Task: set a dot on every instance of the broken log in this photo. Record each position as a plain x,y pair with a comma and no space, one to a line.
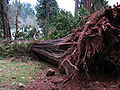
95,47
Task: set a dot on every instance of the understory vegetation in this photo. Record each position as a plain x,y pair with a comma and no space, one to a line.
64,22
14,49
18,66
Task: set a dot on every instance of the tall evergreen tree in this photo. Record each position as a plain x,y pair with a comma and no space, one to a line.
87,5
45,9
76,5
97,5
92,5
16,33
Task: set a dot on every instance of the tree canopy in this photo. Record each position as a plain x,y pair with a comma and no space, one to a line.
45,10
41,8
24,10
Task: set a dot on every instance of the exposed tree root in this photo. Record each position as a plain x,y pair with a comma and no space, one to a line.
91,47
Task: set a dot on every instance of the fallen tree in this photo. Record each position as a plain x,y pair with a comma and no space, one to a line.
95,47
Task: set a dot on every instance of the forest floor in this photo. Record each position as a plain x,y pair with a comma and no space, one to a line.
24,74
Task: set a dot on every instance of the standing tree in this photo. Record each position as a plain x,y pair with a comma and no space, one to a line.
0,23
5,22
45,9
16,34
76,5
25,12
97,5
87,5
92,5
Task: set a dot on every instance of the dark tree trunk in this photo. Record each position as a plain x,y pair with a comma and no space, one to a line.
6,27
16,34
47,17
76,6
0,9
87,5
47,11
3,21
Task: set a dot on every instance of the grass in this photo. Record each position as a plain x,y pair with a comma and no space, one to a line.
13,73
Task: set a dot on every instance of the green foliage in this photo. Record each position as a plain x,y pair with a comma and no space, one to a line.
14,49
28,33
55,34
43,14
41,8
64,22
96,5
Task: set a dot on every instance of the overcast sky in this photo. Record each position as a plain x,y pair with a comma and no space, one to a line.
67,4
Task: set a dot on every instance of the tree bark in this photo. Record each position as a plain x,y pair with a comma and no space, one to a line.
47,11
6,27
51,50
16,34
87,5
46,29
76,6
0,10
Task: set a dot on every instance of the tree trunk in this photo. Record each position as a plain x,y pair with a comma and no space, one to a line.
0,9
47,11
6,27
16,34
46,29
76,6
87,5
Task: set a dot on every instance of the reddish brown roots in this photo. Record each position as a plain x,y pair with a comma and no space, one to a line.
96,37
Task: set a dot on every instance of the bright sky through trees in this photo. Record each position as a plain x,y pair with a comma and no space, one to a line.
67,4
